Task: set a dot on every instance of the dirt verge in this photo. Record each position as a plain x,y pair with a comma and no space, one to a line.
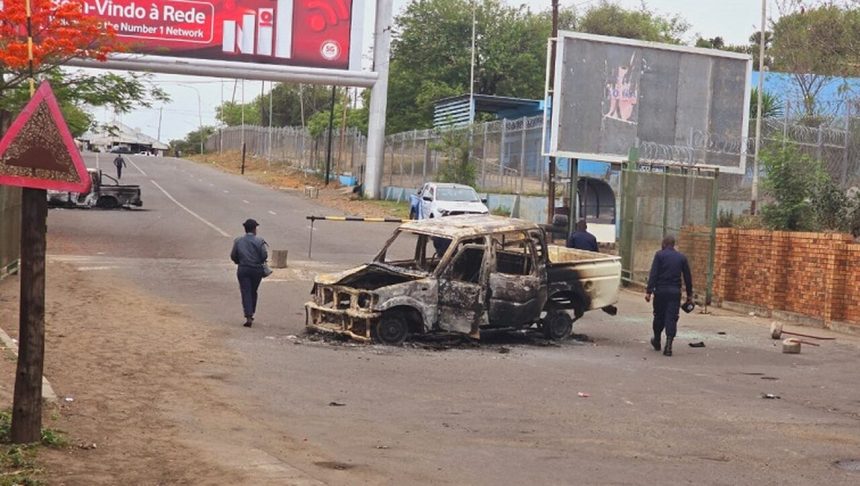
116,360
286,178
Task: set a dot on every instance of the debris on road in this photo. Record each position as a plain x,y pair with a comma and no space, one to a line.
336,404
770,396
699,344
583,395
776,331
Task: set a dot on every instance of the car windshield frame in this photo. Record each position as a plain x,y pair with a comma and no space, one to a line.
457,194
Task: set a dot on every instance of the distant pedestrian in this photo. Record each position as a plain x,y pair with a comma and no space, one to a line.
249,253
581,239
665,283
119,162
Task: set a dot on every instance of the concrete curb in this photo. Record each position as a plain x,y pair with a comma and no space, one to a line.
48,395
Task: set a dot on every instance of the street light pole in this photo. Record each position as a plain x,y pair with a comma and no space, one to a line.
758,107
199,113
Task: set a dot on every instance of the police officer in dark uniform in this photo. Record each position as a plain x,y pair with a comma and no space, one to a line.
664,283
581,239
249,253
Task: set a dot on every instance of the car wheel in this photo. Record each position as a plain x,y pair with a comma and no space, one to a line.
557,324
392,330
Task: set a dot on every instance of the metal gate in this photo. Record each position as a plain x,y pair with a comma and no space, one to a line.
661,200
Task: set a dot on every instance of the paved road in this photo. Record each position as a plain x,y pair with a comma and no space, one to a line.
506,413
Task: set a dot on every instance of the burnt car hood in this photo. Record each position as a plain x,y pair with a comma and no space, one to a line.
369,277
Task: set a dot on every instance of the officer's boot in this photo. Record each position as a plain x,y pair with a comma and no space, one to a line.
655,342
667,351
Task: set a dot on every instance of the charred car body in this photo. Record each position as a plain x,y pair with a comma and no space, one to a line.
464,274
106,193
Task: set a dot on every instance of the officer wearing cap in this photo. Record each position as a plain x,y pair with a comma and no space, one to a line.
664,282
249,253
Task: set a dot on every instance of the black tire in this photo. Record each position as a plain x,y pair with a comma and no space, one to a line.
392,329
557,325
107,202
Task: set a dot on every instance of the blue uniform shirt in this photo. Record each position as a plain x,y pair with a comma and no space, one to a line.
666,271
249,251
582,240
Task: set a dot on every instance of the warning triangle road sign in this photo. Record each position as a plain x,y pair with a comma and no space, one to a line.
39,152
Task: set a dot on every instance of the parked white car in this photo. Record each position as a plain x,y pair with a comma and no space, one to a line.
437,199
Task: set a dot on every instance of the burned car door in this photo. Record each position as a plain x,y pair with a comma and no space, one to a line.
462,289
517,280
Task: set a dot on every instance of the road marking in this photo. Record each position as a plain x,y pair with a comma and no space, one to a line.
192,213
245,201
273,213
136,167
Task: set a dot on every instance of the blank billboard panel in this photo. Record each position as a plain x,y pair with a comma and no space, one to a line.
614,94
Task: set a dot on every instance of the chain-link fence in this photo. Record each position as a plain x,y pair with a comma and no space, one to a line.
10,228
508,157
295,147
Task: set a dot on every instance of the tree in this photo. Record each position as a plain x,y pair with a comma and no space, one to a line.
431,50
431,55
234,114
816,45
293,105
192,141
771,105
609,18
456,145
61,32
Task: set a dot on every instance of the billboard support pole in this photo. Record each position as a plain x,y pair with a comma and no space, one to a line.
378,100
550,205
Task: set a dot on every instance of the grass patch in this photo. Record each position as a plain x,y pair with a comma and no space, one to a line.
394,208
18,461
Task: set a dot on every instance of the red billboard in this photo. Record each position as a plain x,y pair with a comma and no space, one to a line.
312,33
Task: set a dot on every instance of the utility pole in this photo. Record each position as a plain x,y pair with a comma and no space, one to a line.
550,206
271,94
472,72
758,107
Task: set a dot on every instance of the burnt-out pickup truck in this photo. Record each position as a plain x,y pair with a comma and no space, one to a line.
464,274
106,193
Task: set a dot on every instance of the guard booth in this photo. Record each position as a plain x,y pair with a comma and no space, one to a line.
657,200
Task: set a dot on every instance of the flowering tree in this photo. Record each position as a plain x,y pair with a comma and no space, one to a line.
61,31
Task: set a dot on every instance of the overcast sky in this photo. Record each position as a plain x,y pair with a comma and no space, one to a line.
734,20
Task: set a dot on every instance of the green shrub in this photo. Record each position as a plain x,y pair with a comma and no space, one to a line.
804,196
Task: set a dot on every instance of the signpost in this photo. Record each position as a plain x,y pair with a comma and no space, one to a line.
37,153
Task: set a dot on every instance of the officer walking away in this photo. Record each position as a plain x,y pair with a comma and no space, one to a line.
664,283
581,239
119,162
249,253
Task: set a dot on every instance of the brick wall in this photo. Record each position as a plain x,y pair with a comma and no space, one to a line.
814,274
